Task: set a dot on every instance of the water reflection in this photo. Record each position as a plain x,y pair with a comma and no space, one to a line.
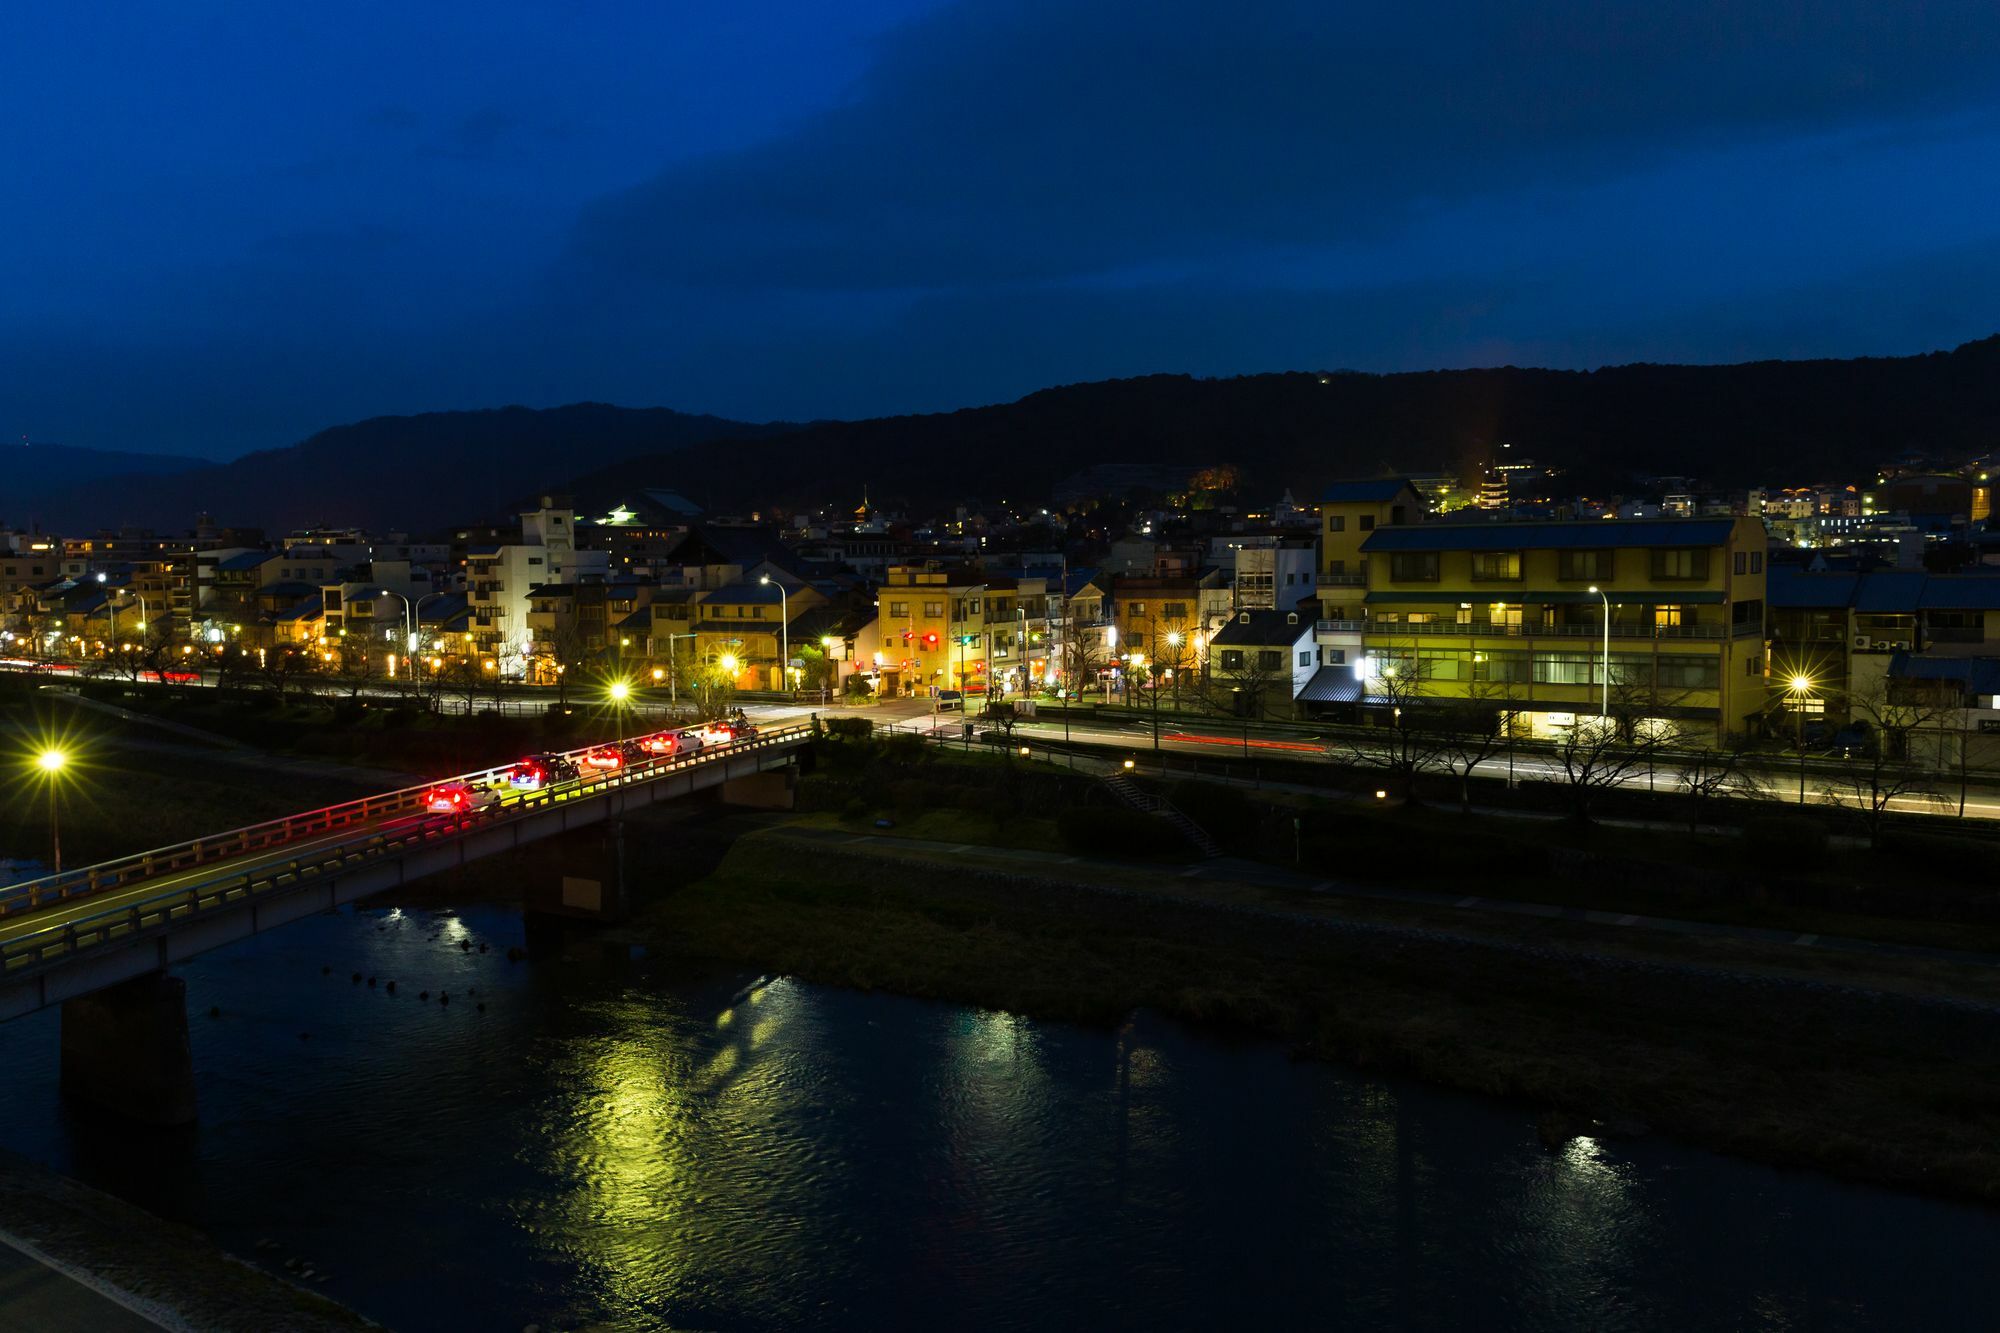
614,1145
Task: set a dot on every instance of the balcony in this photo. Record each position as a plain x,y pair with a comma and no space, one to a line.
1480,629
1340,626
1343,580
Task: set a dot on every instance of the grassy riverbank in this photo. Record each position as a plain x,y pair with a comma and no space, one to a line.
1878,1086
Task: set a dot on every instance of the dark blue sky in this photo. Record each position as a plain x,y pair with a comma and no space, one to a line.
228,225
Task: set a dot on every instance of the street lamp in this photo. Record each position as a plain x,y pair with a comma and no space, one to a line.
1605,708
1801,687
784,630
620,692
52,762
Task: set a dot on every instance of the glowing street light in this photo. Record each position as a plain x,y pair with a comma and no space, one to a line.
784,630
52,762
1801,688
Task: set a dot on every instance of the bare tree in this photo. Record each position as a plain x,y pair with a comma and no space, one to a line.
1473,729
1708,774
1886,771
1411,745
353,669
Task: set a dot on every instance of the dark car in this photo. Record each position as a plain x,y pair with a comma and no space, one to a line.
541,770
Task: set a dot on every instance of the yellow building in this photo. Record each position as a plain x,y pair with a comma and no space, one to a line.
933,630
1349,514
1516,612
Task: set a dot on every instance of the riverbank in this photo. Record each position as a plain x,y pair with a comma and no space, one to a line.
171,1274
1880,1084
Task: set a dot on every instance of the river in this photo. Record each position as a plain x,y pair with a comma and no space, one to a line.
611,1143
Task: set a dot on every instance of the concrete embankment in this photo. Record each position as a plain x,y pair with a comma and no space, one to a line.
81,1259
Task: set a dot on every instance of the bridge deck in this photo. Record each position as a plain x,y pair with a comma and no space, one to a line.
70,934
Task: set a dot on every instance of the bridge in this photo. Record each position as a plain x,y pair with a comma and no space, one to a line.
109,927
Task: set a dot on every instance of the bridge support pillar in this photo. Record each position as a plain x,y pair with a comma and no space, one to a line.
125,1050
591,879
775,790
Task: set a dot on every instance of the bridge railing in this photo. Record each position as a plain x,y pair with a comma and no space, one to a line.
37,893
230,888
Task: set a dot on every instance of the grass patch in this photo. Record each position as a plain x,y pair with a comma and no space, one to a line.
1876,1087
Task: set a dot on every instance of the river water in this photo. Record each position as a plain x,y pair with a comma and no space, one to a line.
615,1144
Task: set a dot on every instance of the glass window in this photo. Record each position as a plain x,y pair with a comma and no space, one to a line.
1489,566
1336,523
933,609
1367,522
1680,563
1584,566
1270,659
1669,617
1334,656
1232,659
1175,610
1306,658
1756,562
1136,639
1136,609
1413,566
899,610
1742,562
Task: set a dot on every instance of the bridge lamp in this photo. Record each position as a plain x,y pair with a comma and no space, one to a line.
619,691
52,762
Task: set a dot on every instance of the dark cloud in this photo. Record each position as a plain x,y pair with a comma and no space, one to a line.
1001,140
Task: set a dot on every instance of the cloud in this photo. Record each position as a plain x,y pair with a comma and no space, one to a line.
1012,141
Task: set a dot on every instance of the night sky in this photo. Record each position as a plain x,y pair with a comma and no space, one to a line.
228,225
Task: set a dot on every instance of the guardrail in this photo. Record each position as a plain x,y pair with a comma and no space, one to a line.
230,890
105,875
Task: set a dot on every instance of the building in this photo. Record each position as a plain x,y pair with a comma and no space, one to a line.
1349,513
931,624
1519,612
1262,660
498,579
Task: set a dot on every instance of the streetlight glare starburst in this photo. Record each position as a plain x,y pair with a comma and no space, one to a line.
620,691
52,761
1802,684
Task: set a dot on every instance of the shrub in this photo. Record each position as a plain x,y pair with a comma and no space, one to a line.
1784,842
849,728
1941,855
855,811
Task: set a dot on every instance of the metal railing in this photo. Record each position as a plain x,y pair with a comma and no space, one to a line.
106,875
1489,629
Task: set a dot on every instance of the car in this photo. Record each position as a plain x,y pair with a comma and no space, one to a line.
603,758
726,732
541,770
455,798
659,745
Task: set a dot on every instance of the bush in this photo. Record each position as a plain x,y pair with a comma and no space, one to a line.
1941,855
1784,842
855,811
1116,831
849,728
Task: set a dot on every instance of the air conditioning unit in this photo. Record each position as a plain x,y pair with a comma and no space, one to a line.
1884,643
1861,641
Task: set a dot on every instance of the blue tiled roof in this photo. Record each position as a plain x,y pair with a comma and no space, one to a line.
1883,591
1332,685
1980,675
1587,535
1373,491
751,593
1793,588
244,560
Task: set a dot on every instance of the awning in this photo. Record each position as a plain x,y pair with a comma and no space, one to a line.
1332,685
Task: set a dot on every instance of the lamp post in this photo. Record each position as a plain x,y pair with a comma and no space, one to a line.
52,762
784,631
1801,687
1605,708
621,694
673,667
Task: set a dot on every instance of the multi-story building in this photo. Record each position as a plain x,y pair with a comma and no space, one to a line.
1519,612
498,579
931,623
1349,513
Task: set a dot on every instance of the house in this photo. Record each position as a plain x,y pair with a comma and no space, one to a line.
1263,660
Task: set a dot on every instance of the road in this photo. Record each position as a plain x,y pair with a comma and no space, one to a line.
1776,781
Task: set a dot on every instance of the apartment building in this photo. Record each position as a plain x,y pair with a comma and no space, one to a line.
931,623
1350,512
1520,611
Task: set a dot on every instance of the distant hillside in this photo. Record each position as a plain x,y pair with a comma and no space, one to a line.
1776,421
414,473
29,473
